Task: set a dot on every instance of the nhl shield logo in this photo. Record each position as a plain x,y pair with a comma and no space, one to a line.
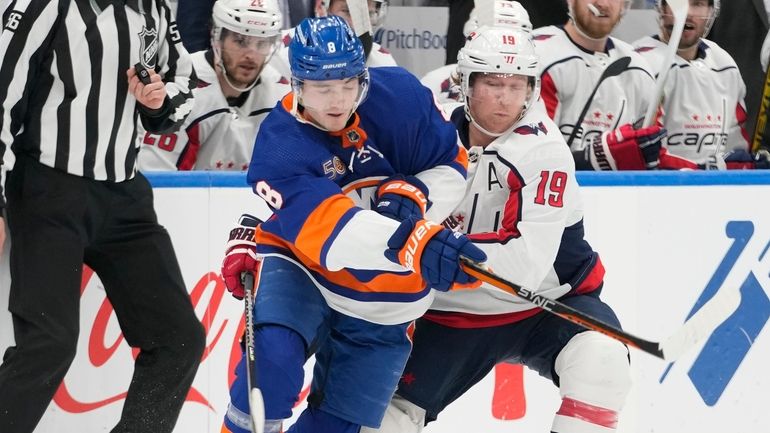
149,47
353,136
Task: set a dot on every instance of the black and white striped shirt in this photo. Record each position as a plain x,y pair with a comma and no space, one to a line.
64,96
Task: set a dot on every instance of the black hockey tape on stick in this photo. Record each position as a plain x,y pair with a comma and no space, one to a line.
142,73
761,138
695,329
256,402
613,69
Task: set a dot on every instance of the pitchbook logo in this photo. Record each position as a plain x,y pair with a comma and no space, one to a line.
747,261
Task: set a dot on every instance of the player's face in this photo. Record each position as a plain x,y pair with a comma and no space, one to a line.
330,103
496,100
610,12
694,25
244,56
341,9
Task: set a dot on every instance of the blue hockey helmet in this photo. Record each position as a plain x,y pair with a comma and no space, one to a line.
325,48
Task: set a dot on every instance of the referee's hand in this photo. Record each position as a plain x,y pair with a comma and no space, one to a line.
151,95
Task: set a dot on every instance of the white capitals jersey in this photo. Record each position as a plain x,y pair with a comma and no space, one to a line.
703,107
522,206
215,136
569,73
379,56
440,82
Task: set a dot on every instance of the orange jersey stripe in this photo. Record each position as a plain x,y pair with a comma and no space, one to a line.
462,157
386,282
360,184
320,225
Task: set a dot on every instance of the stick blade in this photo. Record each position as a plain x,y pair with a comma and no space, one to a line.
679,8
702,324
257,410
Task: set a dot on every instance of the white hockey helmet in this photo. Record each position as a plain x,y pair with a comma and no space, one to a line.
498,50
715,4
249,17
498,13
502,13
259,20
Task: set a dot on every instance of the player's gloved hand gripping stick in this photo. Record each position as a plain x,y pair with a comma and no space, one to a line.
238,269
434,253
699,326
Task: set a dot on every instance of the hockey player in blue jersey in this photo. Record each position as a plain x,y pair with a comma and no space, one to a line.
343,161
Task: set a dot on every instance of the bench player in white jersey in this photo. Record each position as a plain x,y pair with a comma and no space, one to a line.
523,209
703,106
236,90
443,81
572,59
377,56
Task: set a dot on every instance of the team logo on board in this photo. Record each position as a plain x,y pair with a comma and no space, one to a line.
720,358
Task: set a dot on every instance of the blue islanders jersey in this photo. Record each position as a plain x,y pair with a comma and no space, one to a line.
321,187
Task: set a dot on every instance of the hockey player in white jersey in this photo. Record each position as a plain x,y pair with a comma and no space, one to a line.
377,56
600,131
703,106
523,209
236,90
443,81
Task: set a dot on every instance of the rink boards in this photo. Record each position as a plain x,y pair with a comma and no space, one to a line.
668,242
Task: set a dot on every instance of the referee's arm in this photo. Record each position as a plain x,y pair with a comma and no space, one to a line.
176,68
28,27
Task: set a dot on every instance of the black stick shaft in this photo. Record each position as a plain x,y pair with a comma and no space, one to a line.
562,310
613,69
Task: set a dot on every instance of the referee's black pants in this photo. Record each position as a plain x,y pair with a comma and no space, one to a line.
57,222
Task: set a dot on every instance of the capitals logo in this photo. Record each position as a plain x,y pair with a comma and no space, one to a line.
747,261
531,129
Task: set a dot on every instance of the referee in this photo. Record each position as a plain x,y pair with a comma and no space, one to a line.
69,104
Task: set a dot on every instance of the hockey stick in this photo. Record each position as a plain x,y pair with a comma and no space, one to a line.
698,327
679,9
612,70
362,25
762,127
256,402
